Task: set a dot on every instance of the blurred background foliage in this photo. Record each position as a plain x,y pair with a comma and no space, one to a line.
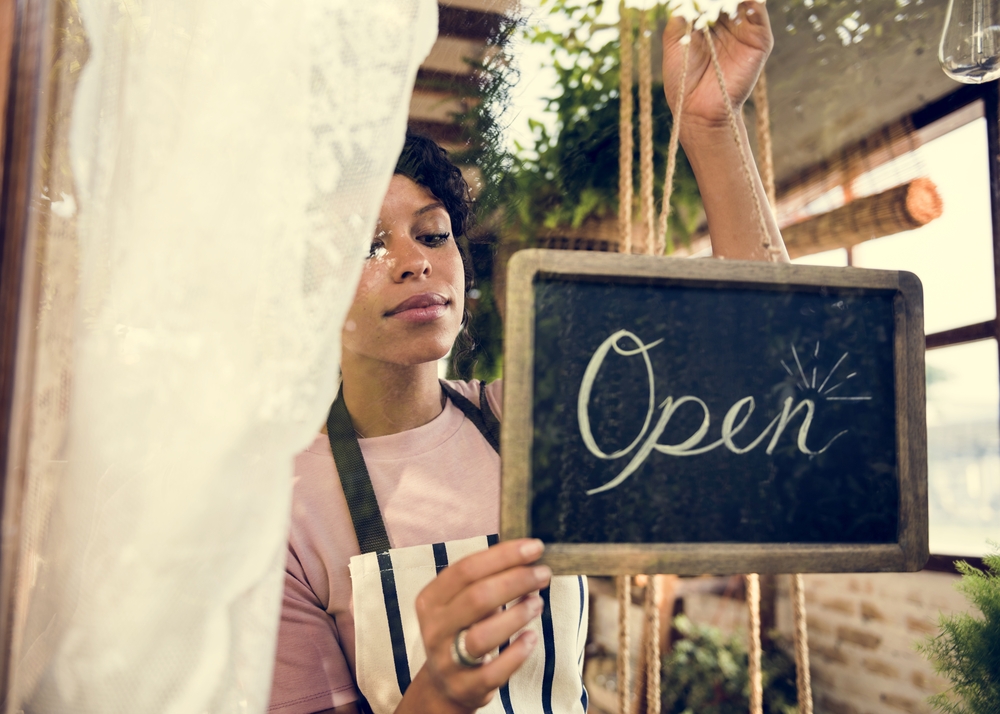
568,175
967,648
706,673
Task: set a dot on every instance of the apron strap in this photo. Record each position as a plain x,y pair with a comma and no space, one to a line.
354,477
357,483
483,417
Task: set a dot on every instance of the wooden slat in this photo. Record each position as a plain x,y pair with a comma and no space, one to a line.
497,6
468,24
946,563
450,54
435,106
962,335
431,80
726,558
443,133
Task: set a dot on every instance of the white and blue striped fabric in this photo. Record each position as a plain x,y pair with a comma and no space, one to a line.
390,650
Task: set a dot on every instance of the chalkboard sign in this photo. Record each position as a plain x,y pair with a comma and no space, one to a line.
696,416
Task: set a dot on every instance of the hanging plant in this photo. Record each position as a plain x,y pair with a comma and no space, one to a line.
569,176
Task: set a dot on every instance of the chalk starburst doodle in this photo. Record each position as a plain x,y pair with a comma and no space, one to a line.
807,382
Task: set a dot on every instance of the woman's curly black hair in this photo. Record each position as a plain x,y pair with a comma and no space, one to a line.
427,164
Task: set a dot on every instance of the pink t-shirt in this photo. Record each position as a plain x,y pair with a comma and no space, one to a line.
438,482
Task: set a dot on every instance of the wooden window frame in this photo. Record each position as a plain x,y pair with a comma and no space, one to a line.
956,106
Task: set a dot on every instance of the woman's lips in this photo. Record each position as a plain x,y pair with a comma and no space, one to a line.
425,307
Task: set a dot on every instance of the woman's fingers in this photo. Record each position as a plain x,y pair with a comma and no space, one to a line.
495,673
486,635
481,598
475,686
755,13
483,564
468,595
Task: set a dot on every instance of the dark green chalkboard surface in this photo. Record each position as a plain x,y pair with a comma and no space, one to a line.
707,416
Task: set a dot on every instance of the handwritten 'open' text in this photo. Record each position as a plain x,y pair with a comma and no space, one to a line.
732,424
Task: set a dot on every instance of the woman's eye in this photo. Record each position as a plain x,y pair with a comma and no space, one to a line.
435,238
377,248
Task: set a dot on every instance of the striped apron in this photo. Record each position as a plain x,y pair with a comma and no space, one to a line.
386,582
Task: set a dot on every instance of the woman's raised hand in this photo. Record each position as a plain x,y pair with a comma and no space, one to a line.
469,595
742,45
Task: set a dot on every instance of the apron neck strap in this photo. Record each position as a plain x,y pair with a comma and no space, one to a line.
354,477
483,417
358,490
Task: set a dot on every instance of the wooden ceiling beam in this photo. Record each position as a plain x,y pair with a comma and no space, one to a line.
468,24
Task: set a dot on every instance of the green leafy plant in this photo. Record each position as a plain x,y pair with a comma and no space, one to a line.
486,97
706,673
570,175
967,650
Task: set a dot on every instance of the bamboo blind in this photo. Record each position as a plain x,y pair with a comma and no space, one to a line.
903,208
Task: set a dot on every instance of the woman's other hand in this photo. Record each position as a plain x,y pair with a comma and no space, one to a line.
469,595
722,161
742,44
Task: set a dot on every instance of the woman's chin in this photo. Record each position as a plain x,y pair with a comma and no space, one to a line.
421,354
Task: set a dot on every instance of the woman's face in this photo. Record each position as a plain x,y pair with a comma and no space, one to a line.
409,304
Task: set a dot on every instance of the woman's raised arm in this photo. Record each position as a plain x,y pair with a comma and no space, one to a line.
742,46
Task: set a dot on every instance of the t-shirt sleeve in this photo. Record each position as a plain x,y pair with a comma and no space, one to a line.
310,671
494,395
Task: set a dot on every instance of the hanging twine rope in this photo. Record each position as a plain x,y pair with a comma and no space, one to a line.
663,241
756,681
625,132
766,155
765,152
647,210
803,680
656,242
653,645
773,252
624,585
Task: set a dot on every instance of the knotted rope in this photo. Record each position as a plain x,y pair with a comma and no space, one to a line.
664,241
647,209
773,252
801,634
803,679
625,132
653,645
765,151
656,242
624,585
753,651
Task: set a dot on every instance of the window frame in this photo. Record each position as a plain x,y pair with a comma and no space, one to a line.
956,107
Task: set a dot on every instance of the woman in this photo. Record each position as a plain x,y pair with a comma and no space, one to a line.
378,595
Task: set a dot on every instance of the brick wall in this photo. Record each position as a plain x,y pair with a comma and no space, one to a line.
862,632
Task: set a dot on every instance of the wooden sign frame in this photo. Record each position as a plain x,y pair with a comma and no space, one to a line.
909,553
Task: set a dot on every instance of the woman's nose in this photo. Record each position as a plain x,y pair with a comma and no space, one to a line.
411,261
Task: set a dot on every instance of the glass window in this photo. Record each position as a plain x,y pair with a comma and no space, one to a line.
953,255
963,434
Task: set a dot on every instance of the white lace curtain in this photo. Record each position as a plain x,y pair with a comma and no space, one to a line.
228,161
